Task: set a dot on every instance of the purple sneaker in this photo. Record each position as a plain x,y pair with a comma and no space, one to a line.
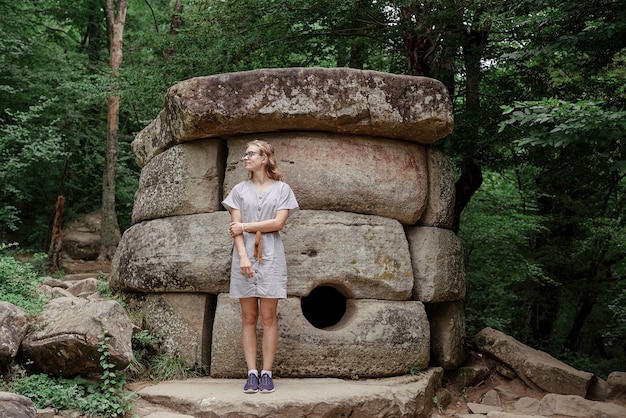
252,384
267,384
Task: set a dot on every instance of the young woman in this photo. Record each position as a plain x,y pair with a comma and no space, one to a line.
259,208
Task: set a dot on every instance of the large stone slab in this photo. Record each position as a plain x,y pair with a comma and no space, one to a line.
374,338
365,256
439,210
345,172
14,323
403,396
438,267
184,180
340,100
183,322
189,253
537,369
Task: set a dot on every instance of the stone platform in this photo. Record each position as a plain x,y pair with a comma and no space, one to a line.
403,396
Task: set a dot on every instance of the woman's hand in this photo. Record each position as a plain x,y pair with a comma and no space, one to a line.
246,267
236,228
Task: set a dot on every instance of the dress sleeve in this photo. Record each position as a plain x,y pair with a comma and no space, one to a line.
288,201
233,200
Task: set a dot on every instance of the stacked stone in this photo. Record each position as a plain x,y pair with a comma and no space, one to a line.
376,278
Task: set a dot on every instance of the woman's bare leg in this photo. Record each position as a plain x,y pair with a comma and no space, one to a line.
270,331
249,317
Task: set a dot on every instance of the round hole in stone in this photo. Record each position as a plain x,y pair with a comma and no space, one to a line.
324,306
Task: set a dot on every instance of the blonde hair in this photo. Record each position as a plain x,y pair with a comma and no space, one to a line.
271,168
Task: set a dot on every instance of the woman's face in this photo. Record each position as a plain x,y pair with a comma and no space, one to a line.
252,159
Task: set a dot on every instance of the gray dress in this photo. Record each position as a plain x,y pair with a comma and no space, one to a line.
270,277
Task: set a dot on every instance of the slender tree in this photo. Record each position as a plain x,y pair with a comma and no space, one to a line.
116,19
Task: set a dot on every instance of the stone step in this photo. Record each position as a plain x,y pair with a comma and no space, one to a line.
402,396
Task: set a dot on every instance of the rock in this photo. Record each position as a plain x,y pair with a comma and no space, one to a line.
84,288
66,338
374,338
81,237
13,327
13,405
365,256
183,321
439,211
491,398
471,374
337,100
376,176
617,383
577,406
503,414
536,368
184,180
599,390
447,334
527,405
477,408
51,282
403,396
438,267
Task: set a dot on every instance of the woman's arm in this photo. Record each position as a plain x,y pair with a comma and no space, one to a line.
244,261
268,225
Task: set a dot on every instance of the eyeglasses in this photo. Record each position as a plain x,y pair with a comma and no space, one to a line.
249,154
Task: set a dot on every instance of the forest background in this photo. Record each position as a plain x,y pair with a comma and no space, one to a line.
539,92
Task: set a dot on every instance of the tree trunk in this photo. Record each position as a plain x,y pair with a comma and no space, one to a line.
174,25
56,245
109,232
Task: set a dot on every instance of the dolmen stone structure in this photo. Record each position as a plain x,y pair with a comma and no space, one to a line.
376,278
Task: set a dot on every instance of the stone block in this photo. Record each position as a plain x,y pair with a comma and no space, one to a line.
374,338
183,180
447,334
439,210
345,172
438,266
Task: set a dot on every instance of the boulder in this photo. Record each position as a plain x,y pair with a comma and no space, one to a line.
13,405
13,327
337,100
184,180
345,172
81,237
438,266
374,338
577,406
84,287
67,336
617,383
537,369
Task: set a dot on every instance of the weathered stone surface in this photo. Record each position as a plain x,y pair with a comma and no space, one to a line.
185,179
447,334
184,322
340,100
81,237
471,374
13,405
577,406
477,408
527,405
13,327
441,191
345,172
617,383
599,390
364,256
66,338
404,396
189,253
373,339
438,269
537,369
84,288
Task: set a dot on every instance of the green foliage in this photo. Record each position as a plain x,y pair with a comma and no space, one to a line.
18,282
